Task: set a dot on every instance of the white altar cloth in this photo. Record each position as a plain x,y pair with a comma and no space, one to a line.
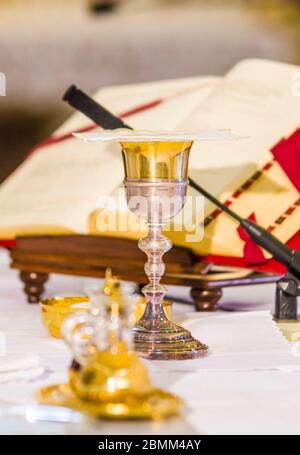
234,391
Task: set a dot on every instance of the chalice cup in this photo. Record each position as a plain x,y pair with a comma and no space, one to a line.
156,180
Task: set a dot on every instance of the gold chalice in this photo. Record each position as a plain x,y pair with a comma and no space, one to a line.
156,180
156,184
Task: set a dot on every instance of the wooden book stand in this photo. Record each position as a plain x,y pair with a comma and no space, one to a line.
86,255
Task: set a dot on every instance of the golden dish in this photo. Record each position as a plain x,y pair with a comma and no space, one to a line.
56,309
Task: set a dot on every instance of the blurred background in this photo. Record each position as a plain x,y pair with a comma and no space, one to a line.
47,45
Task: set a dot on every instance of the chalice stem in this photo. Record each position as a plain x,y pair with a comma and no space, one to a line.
155,336
155,245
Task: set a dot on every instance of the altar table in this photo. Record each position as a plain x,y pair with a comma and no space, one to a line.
254,401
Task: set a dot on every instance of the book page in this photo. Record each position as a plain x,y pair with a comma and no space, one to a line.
123,98
57,187
254,99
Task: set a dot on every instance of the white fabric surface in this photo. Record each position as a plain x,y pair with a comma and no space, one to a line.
239,333
21,375
217,401
237,341
14,369
16,364
242,403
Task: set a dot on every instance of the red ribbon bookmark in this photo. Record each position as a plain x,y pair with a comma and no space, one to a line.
253,254
287,154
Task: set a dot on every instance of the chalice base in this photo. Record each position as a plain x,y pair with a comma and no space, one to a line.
168,342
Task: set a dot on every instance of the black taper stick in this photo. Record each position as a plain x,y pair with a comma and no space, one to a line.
102,117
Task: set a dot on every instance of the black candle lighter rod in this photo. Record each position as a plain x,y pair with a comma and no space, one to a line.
85,104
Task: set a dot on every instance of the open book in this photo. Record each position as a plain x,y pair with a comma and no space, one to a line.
57,188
